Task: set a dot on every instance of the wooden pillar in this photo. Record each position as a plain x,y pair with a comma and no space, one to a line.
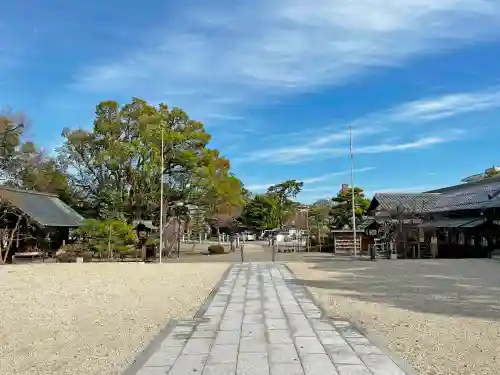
419,234
334,243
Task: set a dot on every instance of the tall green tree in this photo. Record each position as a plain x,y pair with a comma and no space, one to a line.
341,211
23,165
221,193
283,193
11,131
116,168
261,213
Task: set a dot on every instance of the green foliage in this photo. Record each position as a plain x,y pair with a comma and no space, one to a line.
282,194
319,212
221,194
492,172
118,163
115,169
103,236
216,249
261,212
23,165
341,211
73,251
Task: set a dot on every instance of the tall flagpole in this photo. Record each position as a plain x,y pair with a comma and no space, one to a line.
353,190
161,195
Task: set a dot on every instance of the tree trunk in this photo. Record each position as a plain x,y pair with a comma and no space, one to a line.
319,237
218,235
170,249
178,238
3,259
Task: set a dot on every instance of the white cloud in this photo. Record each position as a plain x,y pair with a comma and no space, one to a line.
284,46
310,180
334,174
446,106
420,143
370,192
259,187
309,151
225,117
330,143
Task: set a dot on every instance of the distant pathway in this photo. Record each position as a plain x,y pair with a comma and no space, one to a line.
262,323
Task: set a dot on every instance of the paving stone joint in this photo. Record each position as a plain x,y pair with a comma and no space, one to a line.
262,322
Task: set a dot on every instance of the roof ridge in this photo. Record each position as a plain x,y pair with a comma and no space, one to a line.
403,193
483,181
27,191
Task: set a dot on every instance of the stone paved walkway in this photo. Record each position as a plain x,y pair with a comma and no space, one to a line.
261,323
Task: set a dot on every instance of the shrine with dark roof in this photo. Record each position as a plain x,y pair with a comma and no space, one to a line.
458,221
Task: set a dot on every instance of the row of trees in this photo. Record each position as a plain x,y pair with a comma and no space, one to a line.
114,170
276,208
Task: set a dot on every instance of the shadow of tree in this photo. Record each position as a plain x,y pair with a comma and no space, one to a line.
467,288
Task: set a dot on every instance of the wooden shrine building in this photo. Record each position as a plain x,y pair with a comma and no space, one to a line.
453,222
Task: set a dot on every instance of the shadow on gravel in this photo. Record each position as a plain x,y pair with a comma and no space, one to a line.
467,288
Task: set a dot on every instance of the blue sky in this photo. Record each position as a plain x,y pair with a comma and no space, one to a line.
277,82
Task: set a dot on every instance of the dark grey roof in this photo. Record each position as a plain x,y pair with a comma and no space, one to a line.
475,223
365,223
489,181
403,202
470,197
346,230
147,223
45,209
462,222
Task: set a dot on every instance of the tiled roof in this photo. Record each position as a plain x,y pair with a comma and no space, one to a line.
147,223
490,181
46,209
404,202
470,197
365,223
462,222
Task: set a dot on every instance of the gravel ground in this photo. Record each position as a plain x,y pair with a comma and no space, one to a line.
441,316
90,319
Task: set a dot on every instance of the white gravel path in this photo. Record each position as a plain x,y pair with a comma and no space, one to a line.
442,317
91,319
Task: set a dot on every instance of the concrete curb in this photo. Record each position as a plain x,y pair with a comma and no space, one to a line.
374,337
155,343
206,304
150,349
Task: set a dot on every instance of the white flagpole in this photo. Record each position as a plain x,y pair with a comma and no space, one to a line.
353,190
161,195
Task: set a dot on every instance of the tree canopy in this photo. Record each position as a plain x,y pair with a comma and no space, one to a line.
114,169
113,172
282,193
341,211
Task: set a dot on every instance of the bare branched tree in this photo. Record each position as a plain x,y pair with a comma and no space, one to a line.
11,221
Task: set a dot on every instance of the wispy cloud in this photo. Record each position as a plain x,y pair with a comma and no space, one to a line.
327,176
310,151
287,46
370,192
451,135
446,106
310,180
225,117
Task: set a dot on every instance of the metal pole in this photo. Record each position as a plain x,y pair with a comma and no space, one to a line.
353,190
178,237
308,237
161,196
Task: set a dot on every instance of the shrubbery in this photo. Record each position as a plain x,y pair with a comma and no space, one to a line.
216,249
107,238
